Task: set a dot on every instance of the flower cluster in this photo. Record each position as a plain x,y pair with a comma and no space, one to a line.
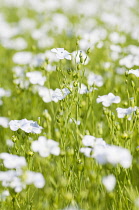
12,161
49,95
17,178
105,153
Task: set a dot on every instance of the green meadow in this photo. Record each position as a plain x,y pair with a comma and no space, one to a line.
69,105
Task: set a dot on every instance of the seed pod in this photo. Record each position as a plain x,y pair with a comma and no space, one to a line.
14,138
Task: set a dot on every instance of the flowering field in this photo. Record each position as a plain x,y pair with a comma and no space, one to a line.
69,97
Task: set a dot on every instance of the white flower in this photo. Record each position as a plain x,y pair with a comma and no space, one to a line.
50,68
21,82
135,72
49,95
34,178
18,179
105,153
45,94
83,89
38,60
108,154
136,202
130,60
22,57
92,141
109,182
31,127
94,79
11,179
120,70
45,147
123,112
51,56
59,94
36,77
15,124
28,126
4,122
4,194
9,143
117,38
107,100
17,43
61,53
86,151
45,42
12,161
18,71
4,92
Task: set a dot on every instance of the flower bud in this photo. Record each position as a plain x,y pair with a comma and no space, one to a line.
57,68
30,153
75,76
126,73
132,102
124,136
75,84
57,133
137,111
125,103
132,84
58,119
112,117
77,42
109,113
70,151
126,81
33,47
81,57
68,196
14,138
105,111
117,127
69,71
88,51
78,66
